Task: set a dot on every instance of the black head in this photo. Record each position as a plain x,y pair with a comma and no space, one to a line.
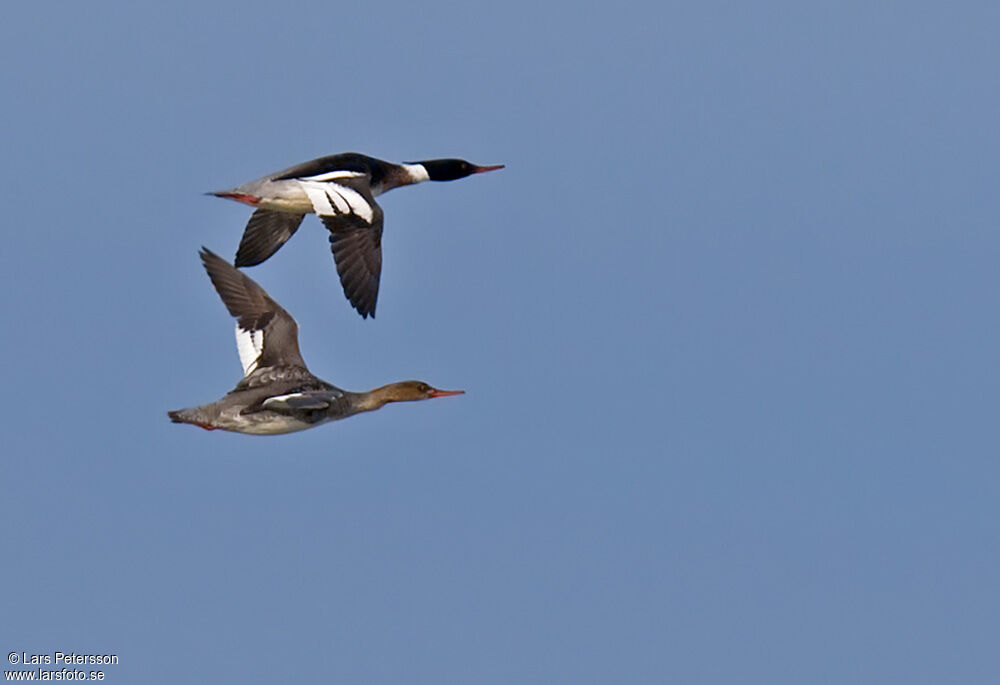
452,169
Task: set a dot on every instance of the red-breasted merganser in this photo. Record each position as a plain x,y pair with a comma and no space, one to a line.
277,393
341,190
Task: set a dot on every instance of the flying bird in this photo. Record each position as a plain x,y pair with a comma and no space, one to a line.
341,189
278,394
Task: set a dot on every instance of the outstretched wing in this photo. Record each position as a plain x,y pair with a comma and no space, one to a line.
344,203
358,255
266,335
266,231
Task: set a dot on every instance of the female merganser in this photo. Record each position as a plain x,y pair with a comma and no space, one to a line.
277,393
341,190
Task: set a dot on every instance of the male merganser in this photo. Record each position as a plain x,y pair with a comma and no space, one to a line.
277,393
341,190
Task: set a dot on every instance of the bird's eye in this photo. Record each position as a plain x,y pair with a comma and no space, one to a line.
423,387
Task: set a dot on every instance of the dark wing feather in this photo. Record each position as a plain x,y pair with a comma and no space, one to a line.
266,231
356,240
255,311
357,250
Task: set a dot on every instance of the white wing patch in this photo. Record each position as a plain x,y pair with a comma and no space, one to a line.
332,199
249,344
295,400
330,175
317,196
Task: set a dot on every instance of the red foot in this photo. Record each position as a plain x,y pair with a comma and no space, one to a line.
205,426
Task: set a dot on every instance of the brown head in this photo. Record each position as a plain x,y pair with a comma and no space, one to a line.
407,391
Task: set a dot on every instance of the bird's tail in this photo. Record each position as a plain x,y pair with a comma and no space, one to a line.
245,198
189,416
179,416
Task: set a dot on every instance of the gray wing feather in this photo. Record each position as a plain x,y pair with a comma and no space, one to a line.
255,311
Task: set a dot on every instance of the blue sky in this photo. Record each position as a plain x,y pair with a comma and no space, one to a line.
727,325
